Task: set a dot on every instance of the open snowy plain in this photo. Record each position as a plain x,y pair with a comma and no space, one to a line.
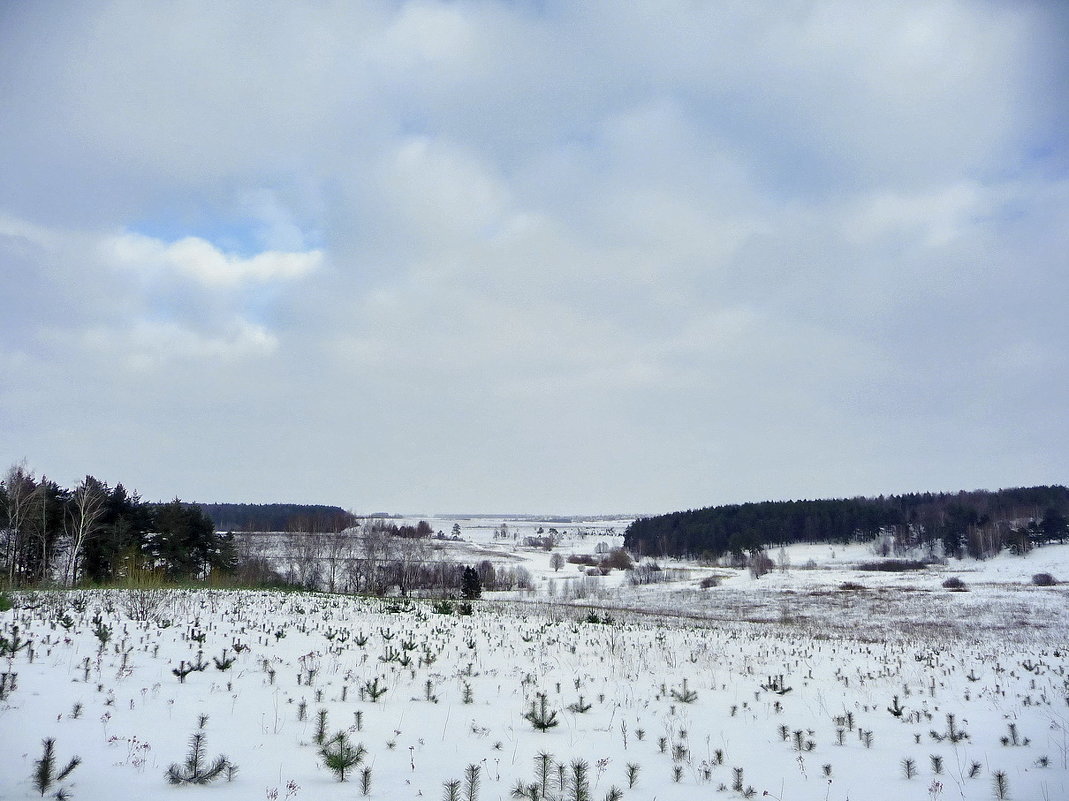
787,686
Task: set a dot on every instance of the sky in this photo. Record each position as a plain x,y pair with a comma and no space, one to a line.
539,257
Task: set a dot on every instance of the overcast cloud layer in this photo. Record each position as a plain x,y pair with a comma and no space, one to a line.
535,256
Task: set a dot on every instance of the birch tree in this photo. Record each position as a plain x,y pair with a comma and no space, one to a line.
19,486
85,512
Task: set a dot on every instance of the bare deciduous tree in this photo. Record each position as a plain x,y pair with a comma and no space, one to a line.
82,520
19,486
302,553
336,551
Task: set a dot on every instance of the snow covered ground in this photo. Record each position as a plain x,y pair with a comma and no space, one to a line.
786,685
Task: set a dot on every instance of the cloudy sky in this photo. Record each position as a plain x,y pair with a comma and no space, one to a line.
535,256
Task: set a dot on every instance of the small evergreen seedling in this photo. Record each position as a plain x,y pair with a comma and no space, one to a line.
341,756
686,695
373,690
471,783
44,773
578,781
223,662
528,791
8,684
1013,738
321,727
896,708
365,781
1001,785
736,779
101,631
543,768
11,647
909,768
195,769
632,774
579,707
540,716
451,790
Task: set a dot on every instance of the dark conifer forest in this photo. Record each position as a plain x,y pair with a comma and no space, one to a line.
276,516
979,523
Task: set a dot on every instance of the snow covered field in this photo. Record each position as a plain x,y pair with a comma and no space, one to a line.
786,685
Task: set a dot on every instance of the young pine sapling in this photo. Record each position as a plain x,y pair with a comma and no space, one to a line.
44,771
340,755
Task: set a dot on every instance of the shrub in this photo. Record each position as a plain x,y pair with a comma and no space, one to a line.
582,559
709,581
618,559
851,585
955,584
760,564
1044,580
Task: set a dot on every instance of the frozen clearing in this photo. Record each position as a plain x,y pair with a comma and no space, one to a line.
785,687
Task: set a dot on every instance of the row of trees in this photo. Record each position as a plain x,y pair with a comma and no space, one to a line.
374,558
276,516
979,523
98,533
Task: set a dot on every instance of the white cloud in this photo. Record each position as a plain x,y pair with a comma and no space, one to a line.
203,262
683,235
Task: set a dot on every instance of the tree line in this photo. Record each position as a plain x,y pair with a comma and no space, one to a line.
276,516
99,534
979,523
96,533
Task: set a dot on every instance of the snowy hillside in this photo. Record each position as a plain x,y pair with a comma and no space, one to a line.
897,688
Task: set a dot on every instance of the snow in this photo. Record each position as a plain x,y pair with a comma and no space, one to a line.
992,656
